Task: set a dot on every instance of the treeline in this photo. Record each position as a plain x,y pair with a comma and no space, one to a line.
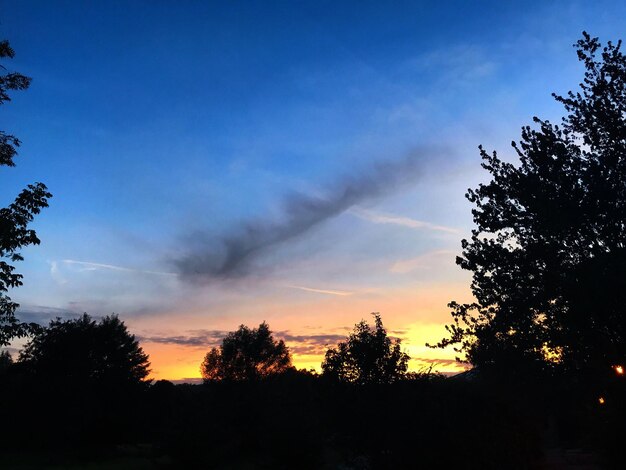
79,393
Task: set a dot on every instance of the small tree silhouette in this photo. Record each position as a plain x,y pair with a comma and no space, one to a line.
368,356
246,354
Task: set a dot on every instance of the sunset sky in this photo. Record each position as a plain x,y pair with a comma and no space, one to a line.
303,163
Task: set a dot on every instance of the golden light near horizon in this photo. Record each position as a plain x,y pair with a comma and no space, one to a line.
416,316
182,362
601,400
619,370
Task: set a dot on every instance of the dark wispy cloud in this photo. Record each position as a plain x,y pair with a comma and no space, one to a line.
298,344
42,314
399,333
310,344
194,338
318,343
317,339
233,255
188,380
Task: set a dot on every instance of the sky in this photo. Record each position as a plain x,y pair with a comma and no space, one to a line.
302,163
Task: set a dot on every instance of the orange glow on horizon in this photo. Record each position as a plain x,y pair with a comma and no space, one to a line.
619,370
415,314
176,362
184,367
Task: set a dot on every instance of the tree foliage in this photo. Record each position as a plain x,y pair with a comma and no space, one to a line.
367,356
6,361
84,351
548,254
14,219
246,354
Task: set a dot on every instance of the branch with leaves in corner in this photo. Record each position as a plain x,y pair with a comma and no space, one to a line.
15,233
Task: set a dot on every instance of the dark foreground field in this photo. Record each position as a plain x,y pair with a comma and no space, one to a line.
298,420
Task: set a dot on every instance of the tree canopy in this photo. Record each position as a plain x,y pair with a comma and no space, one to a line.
548,254
14,219
246,354
86,351
367,356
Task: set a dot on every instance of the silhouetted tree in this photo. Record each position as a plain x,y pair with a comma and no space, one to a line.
14,219
6,361
246,354
92,376
367,356
84,351
548,254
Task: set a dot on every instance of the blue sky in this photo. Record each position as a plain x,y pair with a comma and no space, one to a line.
170,131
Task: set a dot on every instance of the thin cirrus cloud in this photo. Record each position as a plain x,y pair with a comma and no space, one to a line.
385,218
426,261
341,293
458,66
55,273
91,266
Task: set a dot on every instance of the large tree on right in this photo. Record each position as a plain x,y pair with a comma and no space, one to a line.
548,253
